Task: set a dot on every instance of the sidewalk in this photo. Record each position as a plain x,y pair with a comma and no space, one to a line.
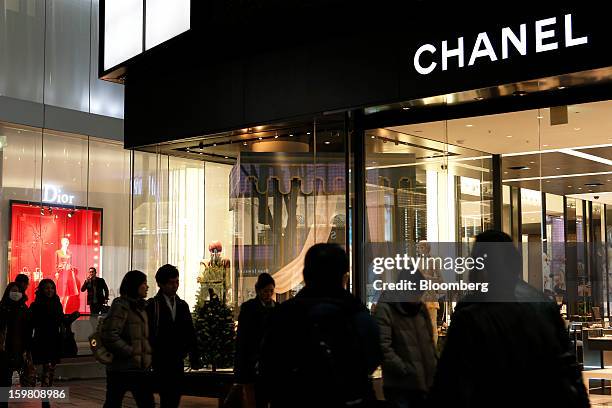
90,394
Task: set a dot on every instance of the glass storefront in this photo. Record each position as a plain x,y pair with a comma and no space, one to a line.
264,194
65,207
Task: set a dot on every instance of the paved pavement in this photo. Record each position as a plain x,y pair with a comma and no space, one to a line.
90,394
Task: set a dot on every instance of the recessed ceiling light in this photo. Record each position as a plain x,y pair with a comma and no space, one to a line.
260,138
372,137
245,143
509,136
291,135
540,117
214,144
545,145
519,93
532,162
548,181
478,98
579,188
327,142
469,125
577,129
226,157
307,133
201,153
561,87
590,191
406,108
276,137
505,172
519,168
569,186
557,168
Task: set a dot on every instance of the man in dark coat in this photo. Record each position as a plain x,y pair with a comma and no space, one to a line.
507,347
172,336
97,291
321,346
252,322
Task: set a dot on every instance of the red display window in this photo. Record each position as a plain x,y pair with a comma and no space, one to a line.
59,243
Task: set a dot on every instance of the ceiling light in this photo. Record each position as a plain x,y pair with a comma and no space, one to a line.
259,138
307,133
372,137
509,136
540,117
569,186
478,98
579,188
214,144
519,93
201,153
406,108
593,184
226,157
548,181
532,162
557,168
577,129
327,142
245,143
291,135
545,145
276,137
519,168
469,125
587,156
561,87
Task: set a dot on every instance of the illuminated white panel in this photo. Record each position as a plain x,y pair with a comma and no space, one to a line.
165,20
123,27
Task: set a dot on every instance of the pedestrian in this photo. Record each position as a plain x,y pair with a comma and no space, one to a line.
23,282
407,344
125,333
172,337
252,321
508,346
47,321
15,334
321,346
97,291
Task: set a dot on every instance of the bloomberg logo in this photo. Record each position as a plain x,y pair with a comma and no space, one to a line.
427,58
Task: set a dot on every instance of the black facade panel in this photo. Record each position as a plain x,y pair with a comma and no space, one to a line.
255,62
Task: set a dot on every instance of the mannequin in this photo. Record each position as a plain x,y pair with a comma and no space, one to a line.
214,273
65,279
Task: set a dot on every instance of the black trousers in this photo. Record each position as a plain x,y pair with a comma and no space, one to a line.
169,381
95,308
6,377
139,384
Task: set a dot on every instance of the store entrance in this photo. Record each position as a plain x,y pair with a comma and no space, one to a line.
554,168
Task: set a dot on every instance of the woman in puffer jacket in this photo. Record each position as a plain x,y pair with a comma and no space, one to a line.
125,333
407,343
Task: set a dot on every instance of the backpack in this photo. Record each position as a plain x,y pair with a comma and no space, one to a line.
99,351
331,358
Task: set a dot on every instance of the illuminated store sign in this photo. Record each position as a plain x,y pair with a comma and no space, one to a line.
133,26
54,194
546,35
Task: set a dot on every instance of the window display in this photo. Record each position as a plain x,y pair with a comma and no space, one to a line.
58,243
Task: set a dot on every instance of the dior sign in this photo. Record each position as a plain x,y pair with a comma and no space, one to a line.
486,46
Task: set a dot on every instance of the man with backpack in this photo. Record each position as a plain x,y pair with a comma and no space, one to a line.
321,346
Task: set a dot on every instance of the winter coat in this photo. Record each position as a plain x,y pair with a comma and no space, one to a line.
517,350
251,326
47,320
407,343
125,333
15,332
171,340
97,287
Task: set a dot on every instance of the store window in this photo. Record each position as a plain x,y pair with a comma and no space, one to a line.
260,197
65,207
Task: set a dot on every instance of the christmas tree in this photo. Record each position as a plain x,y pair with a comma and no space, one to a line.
213,319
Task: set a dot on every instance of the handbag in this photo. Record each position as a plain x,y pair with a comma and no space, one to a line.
69,345
100,352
